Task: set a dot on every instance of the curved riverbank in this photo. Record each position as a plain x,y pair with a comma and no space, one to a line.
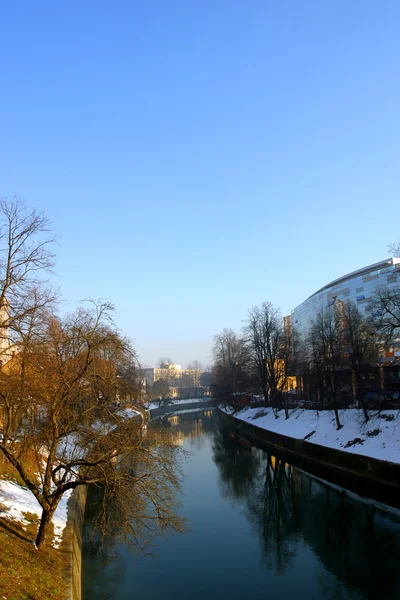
366,476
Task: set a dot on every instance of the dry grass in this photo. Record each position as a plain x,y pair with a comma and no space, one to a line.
25,572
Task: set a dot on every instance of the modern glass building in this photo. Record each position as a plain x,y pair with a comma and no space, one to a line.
358,287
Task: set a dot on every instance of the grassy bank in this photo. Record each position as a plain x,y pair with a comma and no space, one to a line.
25,572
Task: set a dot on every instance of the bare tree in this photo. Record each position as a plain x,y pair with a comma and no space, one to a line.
270,350
195,369
58,401
164,362
360,346
385,308
394,249
326,350
25,255
258,335
231,368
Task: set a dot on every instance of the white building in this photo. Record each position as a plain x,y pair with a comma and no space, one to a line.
358,287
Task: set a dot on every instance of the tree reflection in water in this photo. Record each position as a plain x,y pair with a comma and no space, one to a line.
237,466
355,541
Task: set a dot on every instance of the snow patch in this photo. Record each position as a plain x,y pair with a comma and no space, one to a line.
156,403
16,500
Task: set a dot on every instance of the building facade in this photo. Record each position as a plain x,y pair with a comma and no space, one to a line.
358,287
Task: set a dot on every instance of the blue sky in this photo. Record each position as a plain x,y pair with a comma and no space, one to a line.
200,157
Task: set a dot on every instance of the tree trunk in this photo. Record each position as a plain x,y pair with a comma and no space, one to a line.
366,416
43,528
265,396
355,386
338,425
357,395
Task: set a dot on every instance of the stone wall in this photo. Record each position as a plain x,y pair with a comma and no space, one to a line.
72,543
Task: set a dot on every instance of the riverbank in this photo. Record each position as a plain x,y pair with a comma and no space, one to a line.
181,405
363,457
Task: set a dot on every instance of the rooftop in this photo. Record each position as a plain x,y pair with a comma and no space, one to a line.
389,262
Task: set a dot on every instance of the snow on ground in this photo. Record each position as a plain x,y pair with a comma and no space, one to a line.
16,500
379,438
127,413
156,403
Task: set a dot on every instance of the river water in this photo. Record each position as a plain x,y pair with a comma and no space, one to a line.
257,529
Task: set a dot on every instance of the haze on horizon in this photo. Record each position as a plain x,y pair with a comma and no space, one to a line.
199,158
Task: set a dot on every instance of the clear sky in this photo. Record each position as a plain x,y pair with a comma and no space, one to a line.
198,157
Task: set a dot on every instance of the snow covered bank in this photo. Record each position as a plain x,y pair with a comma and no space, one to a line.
156,403
16,500
379,438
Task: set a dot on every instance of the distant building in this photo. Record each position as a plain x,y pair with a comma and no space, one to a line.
181,382
169,373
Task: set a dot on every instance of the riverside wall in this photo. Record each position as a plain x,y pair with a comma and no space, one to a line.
368,477
72,543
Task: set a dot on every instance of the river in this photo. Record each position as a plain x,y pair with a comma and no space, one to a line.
257,528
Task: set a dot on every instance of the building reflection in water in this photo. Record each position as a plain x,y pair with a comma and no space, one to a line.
355,541
195,426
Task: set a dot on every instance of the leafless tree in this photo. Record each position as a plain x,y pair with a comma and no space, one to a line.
164,362
385,308
270,349
394,249
360,347
62,427
195,369
25,255
231,368
326,350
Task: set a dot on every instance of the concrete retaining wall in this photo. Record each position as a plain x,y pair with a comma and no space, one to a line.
72,543
368,477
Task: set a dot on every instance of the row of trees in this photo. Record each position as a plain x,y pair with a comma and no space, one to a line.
63,382
258,360
269,351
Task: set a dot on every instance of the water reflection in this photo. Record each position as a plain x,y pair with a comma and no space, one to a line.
355,541
238,466
257,529
195,426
